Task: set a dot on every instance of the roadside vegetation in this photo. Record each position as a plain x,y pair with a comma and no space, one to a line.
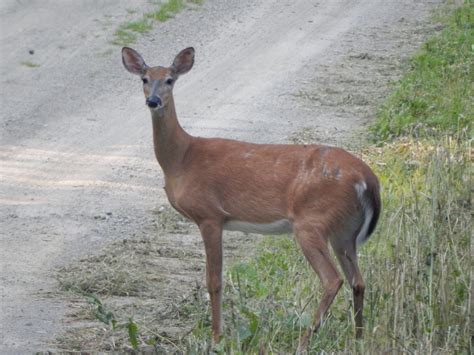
435,96
29,64
417,265
128,32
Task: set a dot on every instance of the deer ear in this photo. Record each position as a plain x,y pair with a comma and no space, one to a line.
184,61
133,61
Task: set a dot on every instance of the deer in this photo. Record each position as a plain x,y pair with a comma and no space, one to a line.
324,195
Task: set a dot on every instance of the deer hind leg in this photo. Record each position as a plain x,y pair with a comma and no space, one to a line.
212,236
313,243
345,251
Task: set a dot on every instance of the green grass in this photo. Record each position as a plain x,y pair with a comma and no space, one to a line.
417,264
141,26
127,33
124,37
167,10
29,64
436,95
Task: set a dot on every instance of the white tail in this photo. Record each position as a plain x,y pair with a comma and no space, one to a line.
317,192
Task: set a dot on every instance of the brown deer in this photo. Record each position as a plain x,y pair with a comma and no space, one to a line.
319,193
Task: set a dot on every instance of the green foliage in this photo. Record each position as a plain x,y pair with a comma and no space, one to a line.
436,94
126,34
167,10
419,266
102,314
124,37
141,26
100,311
132,333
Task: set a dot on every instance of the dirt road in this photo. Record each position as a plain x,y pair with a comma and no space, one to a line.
76,162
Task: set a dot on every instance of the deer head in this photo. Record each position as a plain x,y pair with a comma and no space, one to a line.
158,81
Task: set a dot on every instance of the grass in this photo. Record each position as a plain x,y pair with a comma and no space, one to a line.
140,26
417,265
132,285
436,94
127,33
29,64
167,10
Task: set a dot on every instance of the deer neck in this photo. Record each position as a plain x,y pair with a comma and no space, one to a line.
169,138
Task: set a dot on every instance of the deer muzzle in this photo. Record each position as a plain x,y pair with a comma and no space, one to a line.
153,101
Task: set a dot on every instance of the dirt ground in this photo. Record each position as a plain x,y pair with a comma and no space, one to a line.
76,161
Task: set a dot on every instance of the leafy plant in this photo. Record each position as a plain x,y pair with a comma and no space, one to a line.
105,316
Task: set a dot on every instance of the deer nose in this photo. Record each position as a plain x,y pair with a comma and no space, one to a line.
153,101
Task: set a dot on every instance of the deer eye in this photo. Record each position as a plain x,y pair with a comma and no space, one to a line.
145,80
169,82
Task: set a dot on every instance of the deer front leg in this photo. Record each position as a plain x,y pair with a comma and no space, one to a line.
211,232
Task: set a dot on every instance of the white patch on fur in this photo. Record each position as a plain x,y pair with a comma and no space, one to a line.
281,226
361,187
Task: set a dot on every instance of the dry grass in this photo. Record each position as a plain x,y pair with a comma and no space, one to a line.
154,280
150,279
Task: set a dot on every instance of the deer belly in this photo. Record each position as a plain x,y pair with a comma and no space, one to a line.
281,226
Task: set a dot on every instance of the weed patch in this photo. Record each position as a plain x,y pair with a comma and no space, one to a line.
127,33
167,10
